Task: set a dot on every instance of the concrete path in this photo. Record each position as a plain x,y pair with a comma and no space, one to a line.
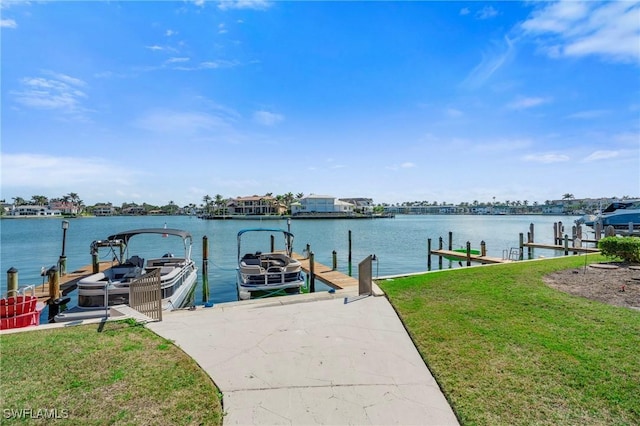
317,359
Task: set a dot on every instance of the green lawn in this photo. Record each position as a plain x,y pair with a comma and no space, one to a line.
508,350
117,373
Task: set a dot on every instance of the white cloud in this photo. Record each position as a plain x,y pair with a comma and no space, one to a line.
487,12
601,155
60,92
588,115
490,63
8,23
267,118
452,112
170,33
26,170
546,158
180,122
176,60
244,4
525,103
407,165
606,29
464,11
155,47
222,29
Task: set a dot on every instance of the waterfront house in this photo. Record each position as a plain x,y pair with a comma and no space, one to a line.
361,205
256,205
104,210
321,204
33,211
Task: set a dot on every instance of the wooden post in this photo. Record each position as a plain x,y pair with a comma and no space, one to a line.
312,274
349,252
428,254
560,232
521,246
439,256
566,244
468,253
531,229
205,269
529,248
555,233
450,246
483,248
598,229
12,282
54,292
335,260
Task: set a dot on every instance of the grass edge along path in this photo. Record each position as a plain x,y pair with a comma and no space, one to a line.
507,349
115,373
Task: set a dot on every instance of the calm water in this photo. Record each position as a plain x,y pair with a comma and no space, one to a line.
400,243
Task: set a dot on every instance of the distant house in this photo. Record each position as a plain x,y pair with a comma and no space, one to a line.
104,210
66,207
321,204
30,211
362,205
256,205
134,211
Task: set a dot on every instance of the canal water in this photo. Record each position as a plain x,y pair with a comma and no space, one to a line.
400,243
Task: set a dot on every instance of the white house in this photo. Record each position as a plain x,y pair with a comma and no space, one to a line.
30,211
321,204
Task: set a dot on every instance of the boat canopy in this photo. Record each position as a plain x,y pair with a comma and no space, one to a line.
288,237
126,235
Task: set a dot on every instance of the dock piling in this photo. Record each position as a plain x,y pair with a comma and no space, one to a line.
205,269
12,282
335,260
468,253
312,275
350,252
428,254
54,292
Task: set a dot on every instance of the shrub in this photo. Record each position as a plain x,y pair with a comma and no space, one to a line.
625,248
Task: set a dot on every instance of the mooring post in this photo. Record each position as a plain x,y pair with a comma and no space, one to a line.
521,246
335,259
440,256
312,274
529,248
598,230
560,232
483,248
566,244
555,233
468,253
349,252
205,269
54,292
450,246
95,263
428,254
63,257
12,282
531,230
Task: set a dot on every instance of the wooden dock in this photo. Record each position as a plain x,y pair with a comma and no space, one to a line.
327,275
69,281
561,247
473,257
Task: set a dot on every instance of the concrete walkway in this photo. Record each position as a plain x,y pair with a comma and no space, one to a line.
316,359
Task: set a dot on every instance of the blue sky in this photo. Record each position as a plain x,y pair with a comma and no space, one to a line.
154,102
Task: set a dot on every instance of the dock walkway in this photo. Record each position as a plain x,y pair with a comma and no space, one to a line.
69,281
473,257
327,275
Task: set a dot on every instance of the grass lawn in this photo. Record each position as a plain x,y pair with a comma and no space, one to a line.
114,373
508,350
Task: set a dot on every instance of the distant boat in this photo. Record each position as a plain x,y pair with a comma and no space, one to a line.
267,273
617,214
178,276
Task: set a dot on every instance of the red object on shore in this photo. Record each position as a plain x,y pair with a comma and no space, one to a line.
19,311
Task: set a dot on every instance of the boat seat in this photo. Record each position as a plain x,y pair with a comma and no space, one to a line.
251,260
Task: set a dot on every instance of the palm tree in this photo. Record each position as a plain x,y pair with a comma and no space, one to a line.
568,196
206,200
171,206
39,200
218,202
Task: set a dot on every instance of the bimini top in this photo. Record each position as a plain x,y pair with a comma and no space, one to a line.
288,237
126,235
286,233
